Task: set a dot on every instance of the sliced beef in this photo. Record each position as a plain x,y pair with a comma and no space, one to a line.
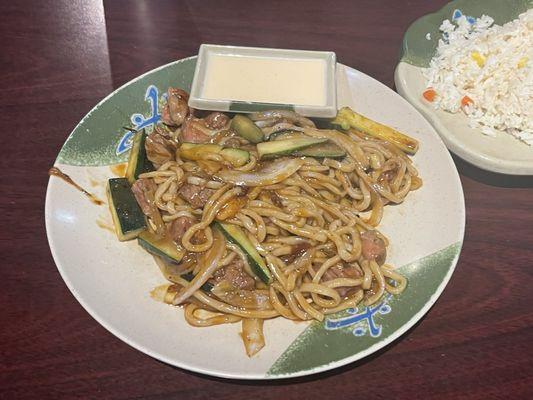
144,190
195,195
235,275
373,247
163,130
342,271
177,228
159,150
176,109
194,131
216,120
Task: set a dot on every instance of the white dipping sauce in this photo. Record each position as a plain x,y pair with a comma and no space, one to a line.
265,80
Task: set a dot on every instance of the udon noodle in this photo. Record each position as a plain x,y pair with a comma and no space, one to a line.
312,220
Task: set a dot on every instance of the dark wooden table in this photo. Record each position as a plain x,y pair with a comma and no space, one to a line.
58,58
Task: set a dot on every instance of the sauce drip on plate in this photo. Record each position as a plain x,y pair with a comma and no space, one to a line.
119,169
54,171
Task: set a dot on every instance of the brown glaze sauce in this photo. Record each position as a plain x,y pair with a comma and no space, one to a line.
93,182
54,171
104,225
119,169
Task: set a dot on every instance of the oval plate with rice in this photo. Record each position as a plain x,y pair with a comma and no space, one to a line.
501,152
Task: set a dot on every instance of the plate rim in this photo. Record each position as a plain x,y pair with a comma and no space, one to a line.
265,376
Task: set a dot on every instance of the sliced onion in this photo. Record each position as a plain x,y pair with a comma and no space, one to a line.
266,122
252,335
282,126
155,215
254,299
288,115
274,172
208,264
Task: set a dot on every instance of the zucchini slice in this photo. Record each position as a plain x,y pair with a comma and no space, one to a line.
278,148
286,134
327,149
237,157
128,217
138,163
347,118
162,247
195,152
236,235
246,128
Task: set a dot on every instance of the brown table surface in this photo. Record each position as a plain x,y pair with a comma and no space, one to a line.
59,58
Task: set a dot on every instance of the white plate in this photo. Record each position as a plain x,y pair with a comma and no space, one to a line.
112,280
